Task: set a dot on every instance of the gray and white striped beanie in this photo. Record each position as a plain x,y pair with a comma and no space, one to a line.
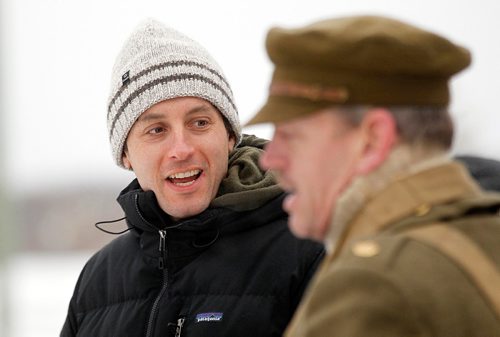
158,63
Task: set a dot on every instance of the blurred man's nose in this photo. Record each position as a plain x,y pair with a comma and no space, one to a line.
274,156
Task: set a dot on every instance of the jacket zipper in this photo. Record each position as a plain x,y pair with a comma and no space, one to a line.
162,266
180,324
161,248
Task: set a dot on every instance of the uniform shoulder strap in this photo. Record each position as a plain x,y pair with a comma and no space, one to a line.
466,254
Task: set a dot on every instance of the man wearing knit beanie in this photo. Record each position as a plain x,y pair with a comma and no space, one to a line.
208,251
361,140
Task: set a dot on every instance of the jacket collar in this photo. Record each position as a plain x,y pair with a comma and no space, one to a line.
415,195
189,237
143,213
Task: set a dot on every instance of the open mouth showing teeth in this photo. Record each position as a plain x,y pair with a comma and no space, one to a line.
184,178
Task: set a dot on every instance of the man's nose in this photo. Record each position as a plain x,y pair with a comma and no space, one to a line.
181,146
273,158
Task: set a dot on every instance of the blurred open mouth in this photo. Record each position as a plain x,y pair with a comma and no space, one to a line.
183,179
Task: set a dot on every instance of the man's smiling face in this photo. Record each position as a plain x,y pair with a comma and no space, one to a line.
179,149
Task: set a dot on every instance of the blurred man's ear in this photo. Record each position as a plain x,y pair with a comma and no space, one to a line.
379,132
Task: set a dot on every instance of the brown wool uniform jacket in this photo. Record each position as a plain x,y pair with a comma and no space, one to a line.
420,259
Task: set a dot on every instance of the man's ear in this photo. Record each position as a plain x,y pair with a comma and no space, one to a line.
231,143
379,132
126,161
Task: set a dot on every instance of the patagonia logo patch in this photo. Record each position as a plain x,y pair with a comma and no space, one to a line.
209,317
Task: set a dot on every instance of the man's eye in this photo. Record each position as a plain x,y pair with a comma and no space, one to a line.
201,123
156,130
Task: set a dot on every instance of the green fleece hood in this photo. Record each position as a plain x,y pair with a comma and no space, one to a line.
246,186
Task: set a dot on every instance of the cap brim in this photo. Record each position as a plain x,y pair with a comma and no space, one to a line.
281,109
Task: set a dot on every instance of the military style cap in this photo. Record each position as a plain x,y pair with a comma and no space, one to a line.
357,60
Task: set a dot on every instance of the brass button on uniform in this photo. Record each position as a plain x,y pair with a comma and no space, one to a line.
366,248
422,210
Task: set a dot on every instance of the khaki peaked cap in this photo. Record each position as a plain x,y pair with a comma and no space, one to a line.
357,60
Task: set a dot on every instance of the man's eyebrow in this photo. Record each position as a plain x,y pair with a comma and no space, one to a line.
201,108
149,117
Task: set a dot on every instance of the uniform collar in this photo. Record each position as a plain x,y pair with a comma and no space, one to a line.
413,193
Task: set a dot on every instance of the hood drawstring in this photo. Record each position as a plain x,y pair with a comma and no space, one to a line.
200,243
97,225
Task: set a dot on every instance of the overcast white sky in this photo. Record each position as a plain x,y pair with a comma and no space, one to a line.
57,55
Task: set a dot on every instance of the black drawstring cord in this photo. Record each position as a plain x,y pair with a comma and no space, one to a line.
108,222
207,244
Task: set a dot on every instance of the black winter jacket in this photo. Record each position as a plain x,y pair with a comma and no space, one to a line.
486,171
222,273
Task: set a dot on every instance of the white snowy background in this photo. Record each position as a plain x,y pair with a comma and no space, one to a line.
56,58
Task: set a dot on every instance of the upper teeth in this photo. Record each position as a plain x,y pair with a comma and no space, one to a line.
185,174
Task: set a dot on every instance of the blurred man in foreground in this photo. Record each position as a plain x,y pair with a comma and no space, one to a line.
361,137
